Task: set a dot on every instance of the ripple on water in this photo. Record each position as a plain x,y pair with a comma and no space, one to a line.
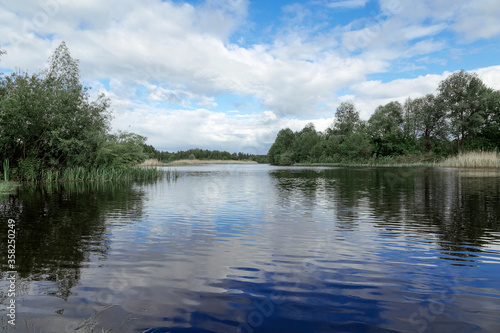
266,249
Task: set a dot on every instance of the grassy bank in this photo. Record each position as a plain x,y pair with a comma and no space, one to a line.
480,159
398,161
355,164
186,162
462,160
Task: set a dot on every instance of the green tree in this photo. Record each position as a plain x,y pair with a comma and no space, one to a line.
430,120
385,127
410,117
48,120
347,119
121,150
356,147
464,97
490,132
282,145
304,142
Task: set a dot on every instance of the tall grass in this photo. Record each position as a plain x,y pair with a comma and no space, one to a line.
7,186
477,159
171,174
76,174
6,170
81,174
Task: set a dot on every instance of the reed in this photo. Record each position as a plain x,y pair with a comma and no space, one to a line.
171,174
81,174
150,162
78,174
6,170
473,159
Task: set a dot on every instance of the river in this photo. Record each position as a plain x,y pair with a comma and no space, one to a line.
257,248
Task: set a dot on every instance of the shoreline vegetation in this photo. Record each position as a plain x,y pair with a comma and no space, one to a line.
468,160
153,162
459,127
481,159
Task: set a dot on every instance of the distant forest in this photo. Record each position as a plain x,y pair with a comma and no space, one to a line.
463,116
200,154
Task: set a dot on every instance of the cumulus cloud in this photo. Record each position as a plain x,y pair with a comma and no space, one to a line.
183,129
472,20
478,19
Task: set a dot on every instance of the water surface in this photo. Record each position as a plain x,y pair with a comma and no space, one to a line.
255,248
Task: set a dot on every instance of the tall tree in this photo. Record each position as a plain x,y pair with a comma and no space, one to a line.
464,98
281,150
346,119
385,127
304,142
81,123
430,119
410,117
386,119
48,120
490,132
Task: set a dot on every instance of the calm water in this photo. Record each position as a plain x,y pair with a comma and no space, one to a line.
255,248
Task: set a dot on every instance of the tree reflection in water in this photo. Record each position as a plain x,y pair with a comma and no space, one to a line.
59,227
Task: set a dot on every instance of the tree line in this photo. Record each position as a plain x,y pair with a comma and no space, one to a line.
463,115
201,154
49,122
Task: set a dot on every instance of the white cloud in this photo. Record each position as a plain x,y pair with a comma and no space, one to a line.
472,20
478,19
490,76
183,129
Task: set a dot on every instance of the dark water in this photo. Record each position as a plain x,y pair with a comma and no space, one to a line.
260,249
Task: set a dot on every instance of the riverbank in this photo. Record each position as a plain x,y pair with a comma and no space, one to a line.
463,160
187,162
473,159
406,165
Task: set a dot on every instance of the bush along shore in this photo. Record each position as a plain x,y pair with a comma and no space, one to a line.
458,127
51,130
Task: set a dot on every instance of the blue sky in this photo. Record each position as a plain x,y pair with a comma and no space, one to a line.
229,74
